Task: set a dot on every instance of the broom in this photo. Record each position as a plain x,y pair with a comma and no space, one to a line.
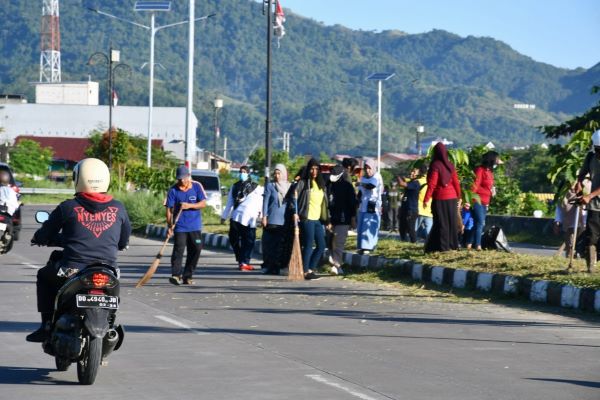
154,266
296,271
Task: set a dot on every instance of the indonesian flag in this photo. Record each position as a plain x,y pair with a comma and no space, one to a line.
115,98
278,28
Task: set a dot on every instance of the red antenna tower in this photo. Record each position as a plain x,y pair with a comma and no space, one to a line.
50,43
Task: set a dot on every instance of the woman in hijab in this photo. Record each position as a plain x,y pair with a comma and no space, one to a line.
313,211
444,188
277,235
483,187
369,210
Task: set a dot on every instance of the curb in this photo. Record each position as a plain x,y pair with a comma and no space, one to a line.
539,291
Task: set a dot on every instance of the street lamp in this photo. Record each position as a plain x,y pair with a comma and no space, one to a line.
152,7
111,59
218,106
379,77
269,4
420,133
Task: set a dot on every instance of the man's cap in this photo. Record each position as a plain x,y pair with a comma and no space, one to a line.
182,172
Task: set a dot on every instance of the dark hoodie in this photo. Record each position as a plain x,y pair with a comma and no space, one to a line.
90,227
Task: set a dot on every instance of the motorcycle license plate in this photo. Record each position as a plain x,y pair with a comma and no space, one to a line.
2,226
97,301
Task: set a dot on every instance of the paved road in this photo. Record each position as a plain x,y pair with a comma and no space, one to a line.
244,336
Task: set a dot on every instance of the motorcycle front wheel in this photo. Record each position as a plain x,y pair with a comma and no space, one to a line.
87,367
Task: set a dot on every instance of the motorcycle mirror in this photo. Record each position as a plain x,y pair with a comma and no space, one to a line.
41,216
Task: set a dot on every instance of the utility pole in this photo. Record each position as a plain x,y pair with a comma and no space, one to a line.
268,119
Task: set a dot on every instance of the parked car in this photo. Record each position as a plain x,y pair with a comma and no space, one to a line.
16,218
212,186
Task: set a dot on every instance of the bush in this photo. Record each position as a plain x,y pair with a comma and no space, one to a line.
143,208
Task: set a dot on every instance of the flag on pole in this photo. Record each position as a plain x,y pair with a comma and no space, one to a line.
115,98
278,29
217,132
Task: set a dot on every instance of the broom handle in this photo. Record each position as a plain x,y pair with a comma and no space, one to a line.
169,236
296,208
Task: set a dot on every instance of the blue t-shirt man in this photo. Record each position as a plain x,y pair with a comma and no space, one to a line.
185,199
190,219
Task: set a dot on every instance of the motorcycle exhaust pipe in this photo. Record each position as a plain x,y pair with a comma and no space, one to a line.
109,342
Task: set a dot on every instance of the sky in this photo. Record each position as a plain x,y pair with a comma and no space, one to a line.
563,33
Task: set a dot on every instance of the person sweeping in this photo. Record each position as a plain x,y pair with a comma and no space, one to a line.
187,197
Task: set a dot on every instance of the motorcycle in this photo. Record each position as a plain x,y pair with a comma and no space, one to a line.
83,329
6,230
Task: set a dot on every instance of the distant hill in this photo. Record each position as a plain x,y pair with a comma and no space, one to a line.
460,88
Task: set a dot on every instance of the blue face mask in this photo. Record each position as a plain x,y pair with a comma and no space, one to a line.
243,176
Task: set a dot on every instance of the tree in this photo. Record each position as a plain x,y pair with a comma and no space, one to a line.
29,157
569,158
530,168
129,161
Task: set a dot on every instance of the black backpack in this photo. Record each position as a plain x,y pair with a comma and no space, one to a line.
493,238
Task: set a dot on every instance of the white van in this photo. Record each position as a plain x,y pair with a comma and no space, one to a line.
212,186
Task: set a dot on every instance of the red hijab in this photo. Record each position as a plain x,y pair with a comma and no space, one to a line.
441,164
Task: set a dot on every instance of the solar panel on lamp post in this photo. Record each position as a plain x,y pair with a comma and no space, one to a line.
379,77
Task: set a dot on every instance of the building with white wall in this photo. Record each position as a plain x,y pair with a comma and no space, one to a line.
82,93
78,121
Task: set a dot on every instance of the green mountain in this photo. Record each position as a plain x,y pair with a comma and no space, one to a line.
460,88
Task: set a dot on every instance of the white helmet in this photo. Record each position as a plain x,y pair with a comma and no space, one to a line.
596,138
91,175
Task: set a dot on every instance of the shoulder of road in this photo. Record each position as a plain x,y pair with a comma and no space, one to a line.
539,291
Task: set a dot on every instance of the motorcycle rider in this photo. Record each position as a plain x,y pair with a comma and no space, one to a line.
90,228
8,199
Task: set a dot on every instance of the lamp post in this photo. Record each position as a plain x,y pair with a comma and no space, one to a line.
218,106
420,132
152,7
269,4
111,59
379,77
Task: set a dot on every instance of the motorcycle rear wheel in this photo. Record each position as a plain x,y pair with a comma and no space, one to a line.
87,367
62,364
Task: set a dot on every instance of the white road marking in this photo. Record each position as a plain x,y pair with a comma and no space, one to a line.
179,324
31,265
336,385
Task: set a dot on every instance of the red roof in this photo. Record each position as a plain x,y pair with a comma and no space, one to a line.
71,149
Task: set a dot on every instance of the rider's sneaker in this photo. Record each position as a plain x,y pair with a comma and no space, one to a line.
38,336
175,280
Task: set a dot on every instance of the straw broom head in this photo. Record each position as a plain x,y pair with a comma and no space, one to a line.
296,271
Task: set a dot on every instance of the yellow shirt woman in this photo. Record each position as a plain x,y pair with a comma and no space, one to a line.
314,203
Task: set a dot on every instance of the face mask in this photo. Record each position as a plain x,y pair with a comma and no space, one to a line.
243,176
597,150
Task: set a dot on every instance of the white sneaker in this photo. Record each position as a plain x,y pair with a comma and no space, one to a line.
337,270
